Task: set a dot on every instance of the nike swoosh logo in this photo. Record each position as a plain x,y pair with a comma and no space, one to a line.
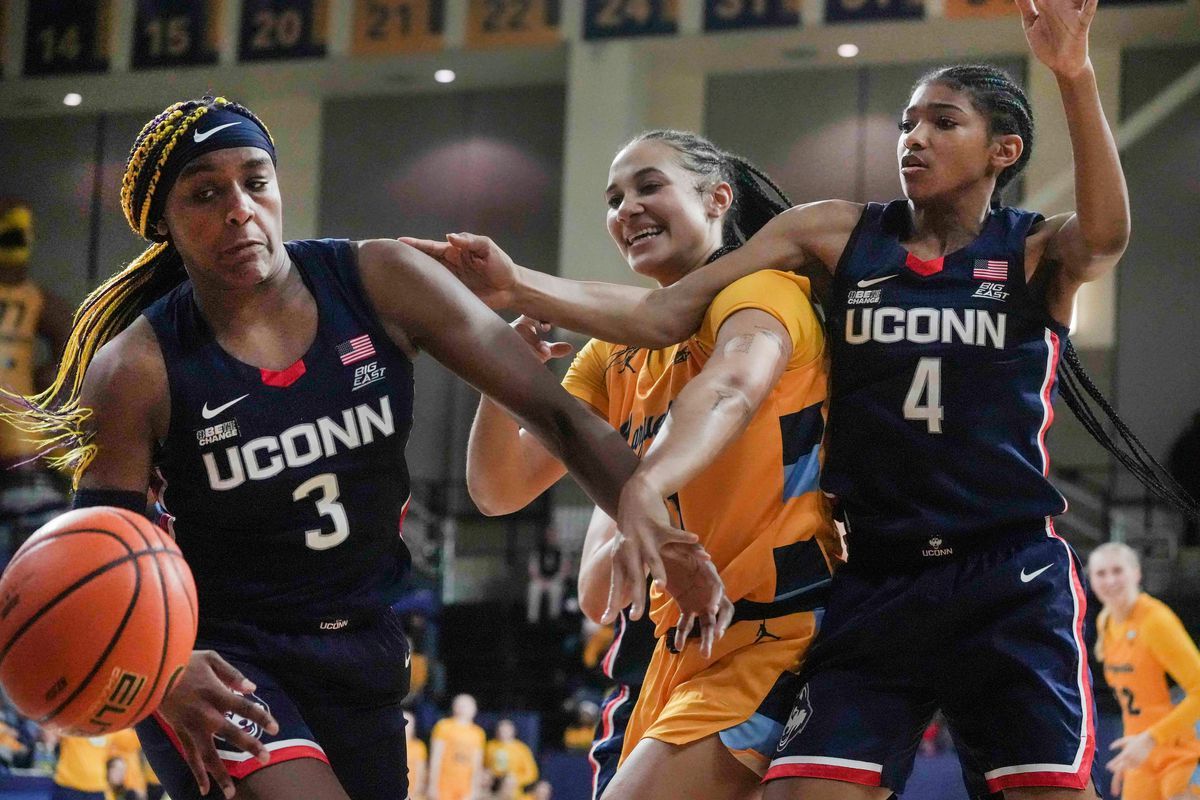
1027,578
873,281
200,137
209,413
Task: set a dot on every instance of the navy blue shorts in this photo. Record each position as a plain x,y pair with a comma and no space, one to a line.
992,636
610,735
335,694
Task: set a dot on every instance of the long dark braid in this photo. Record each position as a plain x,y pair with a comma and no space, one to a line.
756,198
995,95
1080,394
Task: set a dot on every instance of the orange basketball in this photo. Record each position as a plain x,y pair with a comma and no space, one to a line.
97,621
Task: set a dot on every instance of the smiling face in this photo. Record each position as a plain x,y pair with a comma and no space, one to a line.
1114,575
946,147
662,223
225,216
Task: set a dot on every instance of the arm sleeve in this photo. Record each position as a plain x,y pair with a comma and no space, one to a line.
1176,652
784,296
585,379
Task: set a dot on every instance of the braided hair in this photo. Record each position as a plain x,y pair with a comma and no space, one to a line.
55,416
998,97
756,198
995,95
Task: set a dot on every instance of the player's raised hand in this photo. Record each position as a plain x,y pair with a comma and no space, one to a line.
1132,752
209,688
478,262
532,332
1057,32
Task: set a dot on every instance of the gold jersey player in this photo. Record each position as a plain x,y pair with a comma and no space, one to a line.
728,425
1144,646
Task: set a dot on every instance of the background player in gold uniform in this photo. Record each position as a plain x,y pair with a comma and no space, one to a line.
1143,644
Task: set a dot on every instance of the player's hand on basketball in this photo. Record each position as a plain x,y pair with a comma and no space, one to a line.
532,332
1132,753
478,262
643,530
196,709
1057,32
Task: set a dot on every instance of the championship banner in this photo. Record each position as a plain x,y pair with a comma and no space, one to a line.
67,36
614,19
736,15
282,29
513,23
386,27
176,33
872,10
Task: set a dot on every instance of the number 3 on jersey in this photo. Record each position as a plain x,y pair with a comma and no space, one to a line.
926,386
327,505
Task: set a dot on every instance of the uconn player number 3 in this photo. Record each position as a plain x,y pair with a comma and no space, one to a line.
325,486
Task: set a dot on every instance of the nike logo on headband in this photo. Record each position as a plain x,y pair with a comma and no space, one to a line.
200,137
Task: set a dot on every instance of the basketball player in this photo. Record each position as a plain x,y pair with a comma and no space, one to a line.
948,315
268,385
456,748
737,453
30,494
1143,646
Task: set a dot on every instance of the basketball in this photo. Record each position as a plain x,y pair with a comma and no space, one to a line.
97,621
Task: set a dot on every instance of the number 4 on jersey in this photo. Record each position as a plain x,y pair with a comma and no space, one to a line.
927,385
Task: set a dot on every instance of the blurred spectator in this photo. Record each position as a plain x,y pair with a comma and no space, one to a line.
578,736
29,493
542,791
418,759
1184,464
82,771
510,763
548,570
12,749
125,746
456,760
118,780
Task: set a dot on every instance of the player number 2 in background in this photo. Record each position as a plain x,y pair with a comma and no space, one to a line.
927,384
327,505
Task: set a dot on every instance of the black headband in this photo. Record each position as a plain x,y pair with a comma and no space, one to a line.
219,129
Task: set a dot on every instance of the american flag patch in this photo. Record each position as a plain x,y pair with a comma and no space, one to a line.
355,349
989,269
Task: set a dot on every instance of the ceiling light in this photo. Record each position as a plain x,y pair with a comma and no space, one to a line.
847,50
444,76
72,99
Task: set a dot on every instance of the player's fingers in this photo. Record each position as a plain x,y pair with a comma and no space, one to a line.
255,713
1028,11
560,349
708,635
191,756
1088,11
683,629
1119,743
228,674
216,768
724,617
478,246
244,741
427,246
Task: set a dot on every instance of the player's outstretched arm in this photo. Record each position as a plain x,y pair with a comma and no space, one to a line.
1083,245
126,389
809,238
438,314
507,467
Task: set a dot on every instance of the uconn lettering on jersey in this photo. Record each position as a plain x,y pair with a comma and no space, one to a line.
926,326
300,445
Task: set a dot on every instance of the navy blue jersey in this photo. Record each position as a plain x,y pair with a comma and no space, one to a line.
285,490
941,387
